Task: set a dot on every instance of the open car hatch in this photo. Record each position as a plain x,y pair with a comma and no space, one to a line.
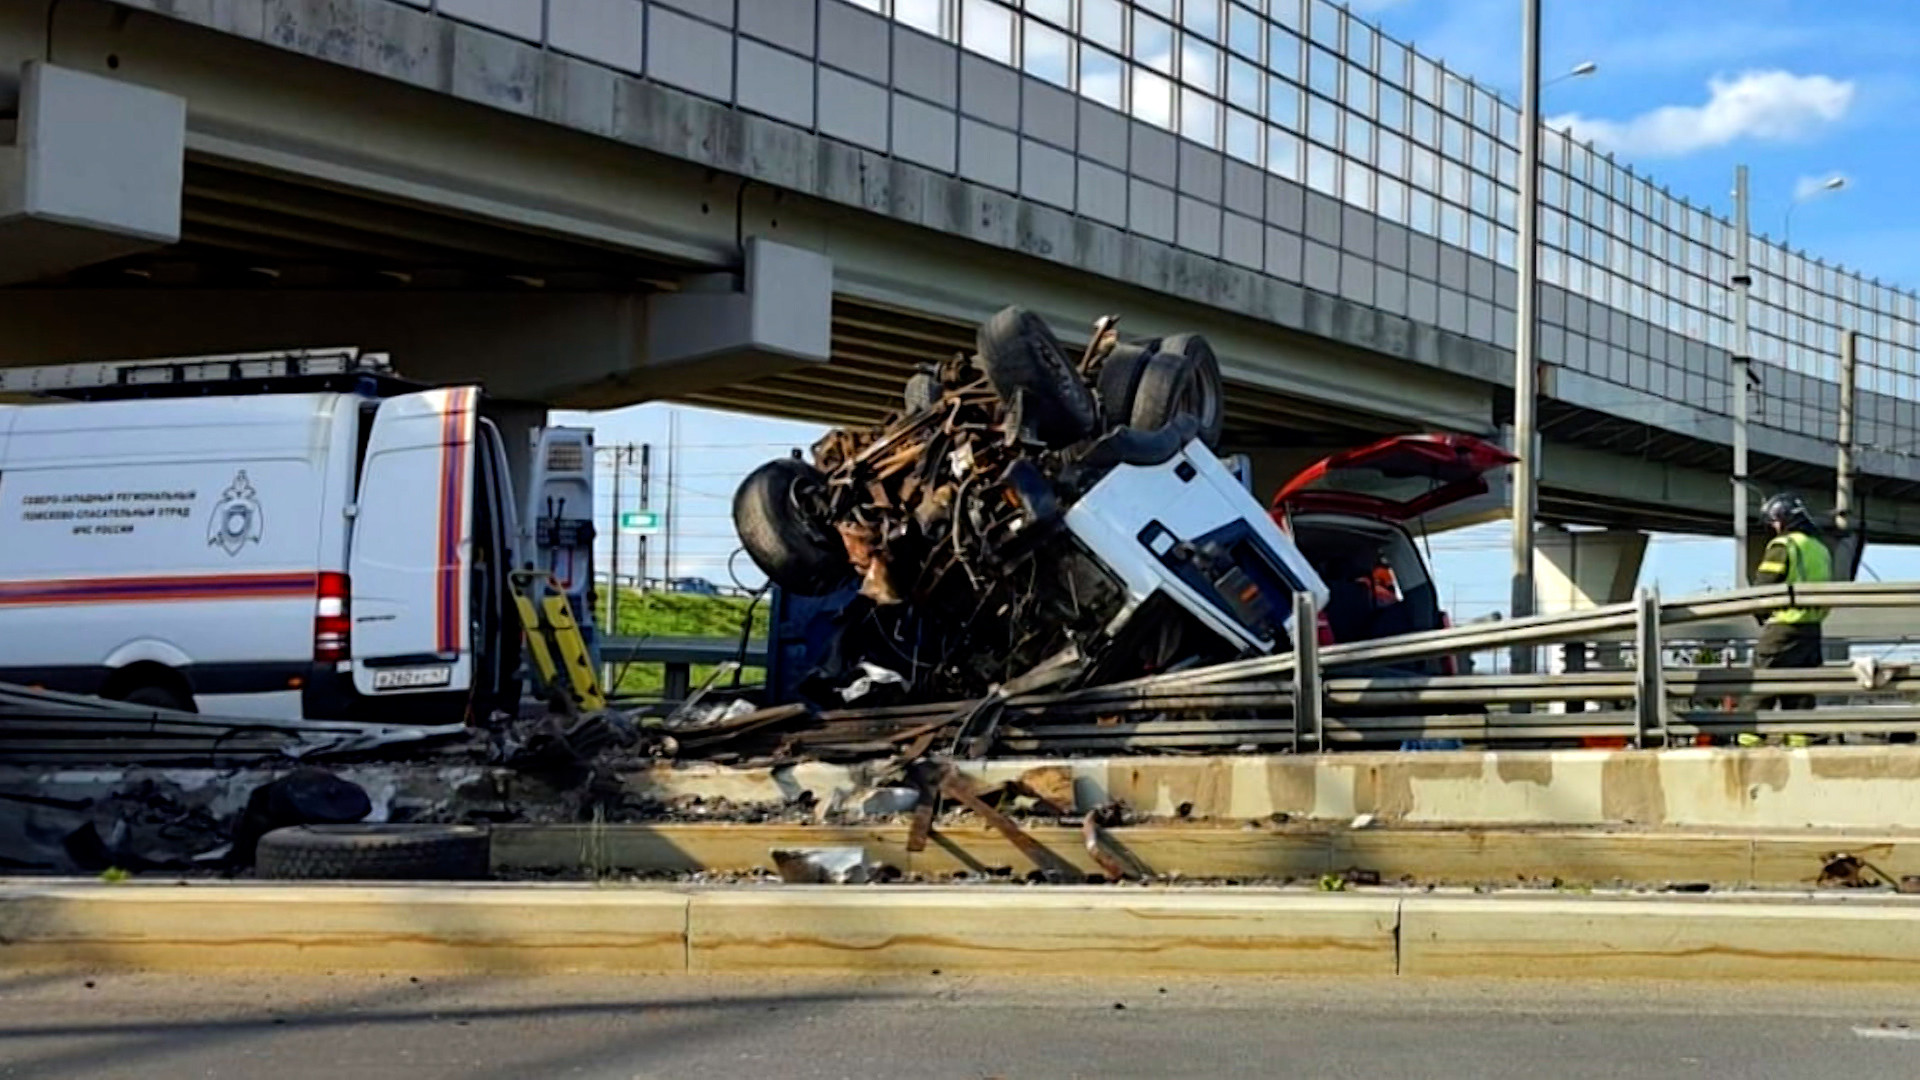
1398,478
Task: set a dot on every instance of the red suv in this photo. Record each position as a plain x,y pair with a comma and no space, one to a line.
1349,514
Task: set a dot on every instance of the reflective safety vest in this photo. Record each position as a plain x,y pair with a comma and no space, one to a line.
1800,559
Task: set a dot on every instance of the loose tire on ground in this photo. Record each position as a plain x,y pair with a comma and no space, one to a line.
1021,356
375,853
1119,378
1208,398
802,556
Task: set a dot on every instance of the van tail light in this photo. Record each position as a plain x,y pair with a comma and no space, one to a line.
1323,629
1449,664
332,620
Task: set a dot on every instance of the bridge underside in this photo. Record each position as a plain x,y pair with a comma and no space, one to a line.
325,206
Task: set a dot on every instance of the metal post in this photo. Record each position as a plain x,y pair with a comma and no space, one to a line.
1843,465
1742,376
1526,478
1308,723
1650,684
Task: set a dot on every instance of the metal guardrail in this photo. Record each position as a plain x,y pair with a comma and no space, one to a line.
679,655
1337,696
1650,704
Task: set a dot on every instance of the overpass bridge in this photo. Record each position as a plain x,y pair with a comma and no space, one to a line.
781,205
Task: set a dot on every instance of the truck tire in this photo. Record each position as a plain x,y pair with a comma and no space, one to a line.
158,697
1204,392
1021,356
375,853
803,556
1119,379
1173,386
922,391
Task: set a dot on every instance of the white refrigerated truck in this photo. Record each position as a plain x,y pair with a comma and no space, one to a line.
291,534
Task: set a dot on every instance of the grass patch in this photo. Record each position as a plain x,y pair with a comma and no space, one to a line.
663,614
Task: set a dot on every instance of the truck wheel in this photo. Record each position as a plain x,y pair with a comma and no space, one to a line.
158,697
1119,380
922,391
1209,400
795,551
375,853
1021,356
1175,385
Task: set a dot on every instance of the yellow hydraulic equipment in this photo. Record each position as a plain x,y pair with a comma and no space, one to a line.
559,650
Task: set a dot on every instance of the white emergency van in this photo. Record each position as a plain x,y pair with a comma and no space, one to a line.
280,535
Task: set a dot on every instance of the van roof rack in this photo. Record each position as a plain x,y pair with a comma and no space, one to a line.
343,369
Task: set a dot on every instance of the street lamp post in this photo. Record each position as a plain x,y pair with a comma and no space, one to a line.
1832,183
1526,475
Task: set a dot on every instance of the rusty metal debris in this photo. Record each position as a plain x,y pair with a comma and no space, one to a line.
1841,870
960,789
985,531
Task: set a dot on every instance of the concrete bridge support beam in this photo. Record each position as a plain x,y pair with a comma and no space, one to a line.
90,170
579,350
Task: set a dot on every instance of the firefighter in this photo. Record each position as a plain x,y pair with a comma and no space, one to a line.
1790,636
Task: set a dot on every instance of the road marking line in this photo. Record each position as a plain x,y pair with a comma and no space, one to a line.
1887,1033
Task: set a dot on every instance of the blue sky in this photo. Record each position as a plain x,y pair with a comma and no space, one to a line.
1799,90
1687,89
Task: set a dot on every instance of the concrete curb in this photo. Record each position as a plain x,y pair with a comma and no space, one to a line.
1428,856
545,929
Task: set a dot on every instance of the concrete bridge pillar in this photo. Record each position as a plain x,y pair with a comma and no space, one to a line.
1579,570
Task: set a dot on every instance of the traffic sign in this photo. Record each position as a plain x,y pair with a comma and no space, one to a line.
640,521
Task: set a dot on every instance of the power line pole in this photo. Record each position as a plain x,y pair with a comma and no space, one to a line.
646,484
673,452
613,573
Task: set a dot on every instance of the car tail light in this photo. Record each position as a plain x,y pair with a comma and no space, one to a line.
332,620
1449,664
1323,629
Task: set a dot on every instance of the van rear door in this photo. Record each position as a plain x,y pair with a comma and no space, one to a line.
412,535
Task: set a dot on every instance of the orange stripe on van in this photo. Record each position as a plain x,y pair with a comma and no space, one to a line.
158,589
454,437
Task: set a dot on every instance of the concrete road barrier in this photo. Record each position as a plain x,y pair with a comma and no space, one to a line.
1042,931
1467,856
545,929
1674,939
411,929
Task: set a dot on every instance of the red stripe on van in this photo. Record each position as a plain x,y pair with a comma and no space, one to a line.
158,589
454,436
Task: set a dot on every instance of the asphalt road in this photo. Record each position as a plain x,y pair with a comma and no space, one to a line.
689,1028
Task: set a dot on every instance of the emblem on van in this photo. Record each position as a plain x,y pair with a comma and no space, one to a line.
236,517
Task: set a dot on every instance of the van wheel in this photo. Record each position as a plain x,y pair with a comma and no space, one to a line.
158,697
773,511
1021,356
375,853
1181,383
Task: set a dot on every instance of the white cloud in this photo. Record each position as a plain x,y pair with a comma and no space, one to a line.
1808,186
1764,105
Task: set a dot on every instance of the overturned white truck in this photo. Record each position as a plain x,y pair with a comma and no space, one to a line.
1023,511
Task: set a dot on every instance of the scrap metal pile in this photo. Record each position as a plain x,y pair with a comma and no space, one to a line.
964,536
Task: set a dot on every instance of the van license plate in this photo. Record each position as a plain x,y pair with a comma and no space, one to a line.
413,678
